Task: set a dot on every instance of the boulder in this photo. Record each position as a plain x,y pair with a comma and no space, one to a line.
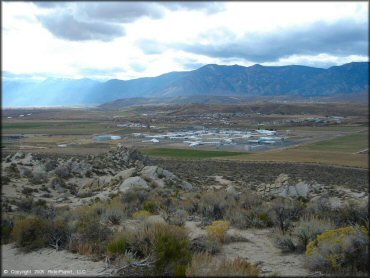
186,186
125,174
281,180
133,182
151,172
168,175
18,155
28,159
302,189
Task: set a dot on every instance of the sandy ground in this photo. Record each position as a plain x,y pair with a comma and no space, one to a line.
49,262
260,250
257,247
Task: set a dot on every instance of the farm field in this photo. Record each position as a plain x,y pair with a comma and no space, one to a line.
349,143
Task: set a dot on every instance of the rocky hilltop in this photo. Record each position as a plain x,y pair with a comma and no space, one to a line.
70,180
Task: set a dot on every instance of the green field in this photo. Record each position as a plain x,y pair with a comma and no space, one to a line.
349,143
184,153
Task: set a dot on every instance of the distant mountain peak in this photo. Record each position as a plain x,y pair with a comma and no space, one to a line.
257,66
209,80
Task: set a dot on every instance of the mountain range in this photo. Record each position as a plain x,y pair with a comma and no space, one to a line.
210,80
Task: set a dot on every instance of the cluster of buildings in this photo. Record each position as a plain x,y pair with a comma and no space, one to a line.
217,137
20,116
133,125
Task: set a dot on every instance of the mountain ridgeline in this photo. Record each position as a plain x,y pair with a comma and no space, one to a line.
211,80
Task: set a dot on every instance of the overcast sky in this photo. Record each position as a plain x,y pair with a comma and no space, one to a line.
125,40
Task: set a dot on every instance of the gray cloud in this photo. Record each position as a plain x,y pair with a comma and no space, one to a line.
122,12
50,5
67,27
341,38
208,7
97,20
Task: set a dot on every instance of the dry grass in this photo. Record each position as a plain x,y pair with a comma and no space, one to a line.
308,156
217,230
204,264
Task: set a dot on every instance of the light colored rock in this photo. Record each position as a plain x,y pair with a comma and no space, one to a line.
151,172
125,174
28,159
302,189
168,175
133,182
282,179
18,155
186,186
158,183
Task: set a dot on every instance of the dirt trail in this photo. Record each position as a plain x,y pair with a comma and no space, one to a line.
64,263
257,247
260,250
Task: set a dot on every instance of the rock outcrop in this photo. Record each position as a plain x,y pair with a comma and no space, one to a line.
136,182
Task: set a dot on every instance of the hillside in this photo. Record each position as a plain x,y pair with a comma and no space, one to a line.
210,80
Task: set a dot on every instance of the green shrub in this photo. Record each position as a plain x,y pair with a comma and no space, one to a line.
265,218
30,233
117,246
150,206
213,205
206,244
58,234
307,230
178,217
172,253
284,211
351,214
112,216
39,177
340,251
285,242
25,204
27,190
90,229
141,214
62,171
142,240
255,217
90,236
